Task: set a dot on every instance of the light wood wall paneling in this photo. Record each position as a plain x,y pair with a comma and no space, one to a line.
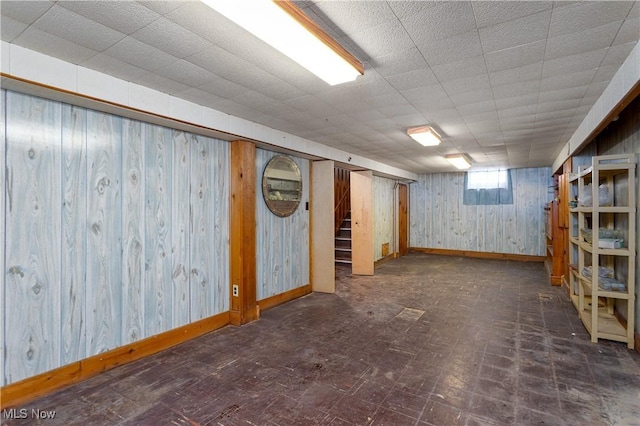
3,239
322,227
32,293
104,246
158,291
74,234
383,223
133,265
282,244
201,252
180,223
439,219
219,231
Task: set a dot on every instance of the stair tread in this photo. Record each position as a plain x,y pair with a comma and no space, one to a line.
343,248
343,261
343,238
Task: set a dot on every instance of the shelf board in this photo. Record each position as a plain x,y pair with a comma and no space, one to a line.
609,327
606,252
588,285
574,240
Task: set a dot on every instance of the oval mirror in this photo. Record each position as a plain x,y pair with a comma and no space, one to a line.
282,185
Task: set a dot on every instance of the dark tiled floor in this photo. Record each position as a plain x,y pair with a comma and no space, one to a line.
495,345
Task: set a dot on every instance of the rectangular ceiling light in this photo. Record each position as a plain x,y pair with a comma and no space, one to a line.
424,135
286,28
461,161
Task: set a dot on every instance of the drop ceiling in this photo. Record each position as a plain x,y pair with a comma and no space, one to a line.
505,82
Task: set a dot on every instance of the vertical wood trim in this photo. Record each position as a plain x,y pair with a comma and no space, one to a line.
132,231
362,223
180,238
74,237
104,208
242,220
403,243
33,237
323,272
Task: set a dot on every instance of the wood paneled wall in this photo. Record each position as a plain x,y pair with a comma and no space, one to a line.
282,243
116,230
383,216
438,218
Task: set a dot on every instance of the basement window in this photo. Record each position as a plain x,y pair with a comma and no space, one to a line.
487,188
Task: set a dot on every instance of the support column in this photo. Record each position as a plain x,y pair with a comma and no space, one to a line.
243,306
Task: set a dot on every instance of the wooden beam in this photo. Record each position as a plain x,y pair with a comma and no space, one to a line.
242,218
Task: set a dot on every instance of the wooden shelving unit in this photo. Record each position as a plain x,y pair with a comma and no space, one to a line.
610,285
574,242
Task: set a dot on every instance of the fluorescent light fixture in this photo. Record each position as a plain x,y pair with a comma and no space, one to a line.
424,135
286,28
461,161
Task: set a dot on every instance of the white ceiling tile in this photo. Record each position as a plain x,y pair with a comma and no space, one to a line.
223,88
123,16
356,17
489,13
565,81
619,53
596,89
453,49
398,62
171,38
434,94
441,21
455,70
77,29
563,94
382,40
582,41
586,14
516,75
515,57
34,39
516,89
477,108
160,83
473,83
10,28
412,79
574,63
163,7
186,73
605,74
516,32
139,54
517,111
115,67
516,101
198,18
558,105
26,12
472,97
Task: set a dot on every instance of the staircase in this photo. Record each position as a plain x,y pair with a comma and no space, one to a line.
343,242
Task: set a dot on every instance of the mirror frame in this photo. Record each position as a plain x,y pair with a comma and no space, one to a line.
273,197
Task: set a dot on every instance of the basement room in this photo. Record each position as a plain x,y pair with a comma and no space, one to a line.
319,212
